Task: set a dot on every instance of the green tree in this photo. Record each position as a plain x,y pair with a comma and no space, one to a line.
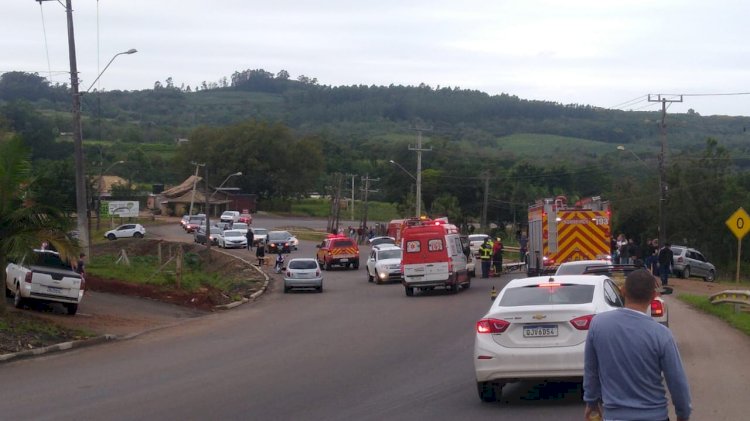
24,223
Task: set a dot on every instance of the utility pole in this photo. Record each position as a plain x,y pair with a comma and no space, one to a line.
334,215
352,176
486,176
208,213
662,164
195,181
366,189
419,151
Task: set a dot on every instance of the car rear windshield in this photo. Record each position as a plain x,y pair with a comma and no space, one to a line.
534,295
677,250
343,243
278,236
302,264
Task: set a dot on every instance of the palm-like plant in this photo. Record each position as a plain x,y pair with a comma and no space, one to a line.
24,224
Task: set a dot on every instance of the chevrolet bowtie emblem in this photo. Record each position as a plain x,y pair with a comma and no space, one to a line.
539,316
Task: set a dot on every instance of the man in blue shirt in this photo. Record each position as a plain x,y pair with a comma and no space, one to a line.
626,354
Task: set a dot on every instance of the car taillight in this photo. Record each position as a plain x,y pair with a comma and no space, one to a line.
28,277
492,326
583,322
450,267
680,259
657,308
317,273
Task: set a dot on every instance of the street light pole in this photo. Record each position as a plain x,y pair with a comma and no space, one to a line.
130,51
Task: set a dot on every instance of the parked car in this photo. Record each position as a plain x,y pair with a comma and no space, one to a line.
536,329
230,216
260,235
279,240
384,264
245,218
125,231
232,239
200,235
690,262
303,273
240,226
43,276
374,241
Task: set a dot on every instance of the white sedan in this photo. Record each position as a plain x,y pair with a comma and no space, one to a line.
536,329
232,239
126,230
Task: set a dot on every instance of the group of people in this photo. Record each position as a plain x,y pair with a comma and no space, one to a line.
491,256
658,260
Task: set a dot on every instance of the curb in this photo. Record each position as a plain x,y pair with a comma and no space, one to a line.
64,346
255,295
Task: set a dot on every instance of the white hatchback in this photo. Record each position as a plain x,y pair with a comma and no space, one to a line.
536,329
384,264
126,230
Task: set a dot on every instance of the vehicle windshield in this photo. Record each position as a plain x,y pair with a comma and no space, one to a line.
534,295
233,233
343,243
216,230
382,240
677,250
302,264
260,231
239,226
278,236
390,254
196,219
49,260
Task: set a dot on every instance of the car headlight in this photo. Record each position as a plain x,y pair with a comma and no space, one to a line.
383,275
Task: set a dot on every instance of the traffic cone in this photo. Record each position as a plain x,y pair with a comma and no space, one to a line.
493,293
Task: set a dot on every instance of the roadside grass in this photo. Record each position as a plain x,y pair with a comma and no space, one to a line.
726,312
376,211
146,270
22,331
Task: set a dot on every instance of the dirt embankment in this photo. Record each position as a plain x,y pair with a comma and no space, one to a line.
246,280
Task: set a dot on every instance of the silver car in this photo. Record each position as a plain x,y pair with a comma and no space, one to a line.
303,273
690,262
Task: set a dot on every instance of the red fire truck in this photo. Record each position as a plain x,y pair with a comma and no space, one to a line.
559,232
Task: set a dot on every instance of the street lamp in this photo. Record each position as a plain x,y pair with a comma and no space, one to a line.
130,51
208,204
622,148
418,206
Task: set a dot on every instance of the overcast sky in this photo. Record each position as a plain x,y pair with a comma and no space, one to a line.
603,52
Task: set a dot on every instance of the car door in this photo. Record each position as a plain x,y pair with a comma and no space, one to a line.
700,261
125,231
371,263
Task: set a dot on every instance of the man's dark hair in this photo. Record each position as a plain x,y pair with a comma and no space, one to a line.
640,285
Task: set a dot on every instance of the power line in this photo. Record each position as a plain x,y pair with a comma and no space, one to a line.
628,103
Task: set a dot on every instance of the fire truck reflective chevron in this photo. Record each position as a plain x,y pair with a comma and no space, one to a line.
560,233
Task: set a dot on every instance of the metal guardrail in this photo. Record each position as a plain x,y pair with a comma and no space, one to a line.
732,296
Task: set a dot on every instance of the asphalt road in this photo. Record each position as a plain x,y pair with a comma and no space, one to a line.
356,351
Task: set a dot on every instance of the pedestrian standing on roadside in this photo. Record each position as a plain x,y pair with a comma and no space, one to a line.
80,264
250,237
260,252
485,256
629,357
666,261
497,256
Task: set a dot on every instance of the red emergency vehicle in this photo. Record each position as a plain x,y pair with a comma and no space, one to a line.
433,256
338,249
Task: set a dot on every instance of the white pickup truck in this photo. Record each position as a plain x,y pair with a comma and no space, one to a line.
43,276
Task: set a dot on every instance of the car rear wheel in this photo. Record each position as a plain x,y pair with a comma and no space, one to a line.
489,392
711,276
72,309
328,265
467,285
138,235
686,272
111,237
356,265
320,289
409,291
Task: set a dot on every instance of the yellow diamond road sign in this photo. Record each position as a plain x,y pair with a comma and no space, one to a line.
739,223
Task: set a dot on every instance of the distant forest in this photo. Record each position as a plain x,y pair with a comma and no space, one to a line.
290,137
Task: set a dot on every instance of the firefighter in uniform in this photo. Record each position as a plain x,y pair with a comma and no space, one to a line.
485,255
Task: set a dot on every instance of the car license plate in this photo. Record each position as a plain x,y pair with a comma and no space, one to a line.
538,331
54,290
343,260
